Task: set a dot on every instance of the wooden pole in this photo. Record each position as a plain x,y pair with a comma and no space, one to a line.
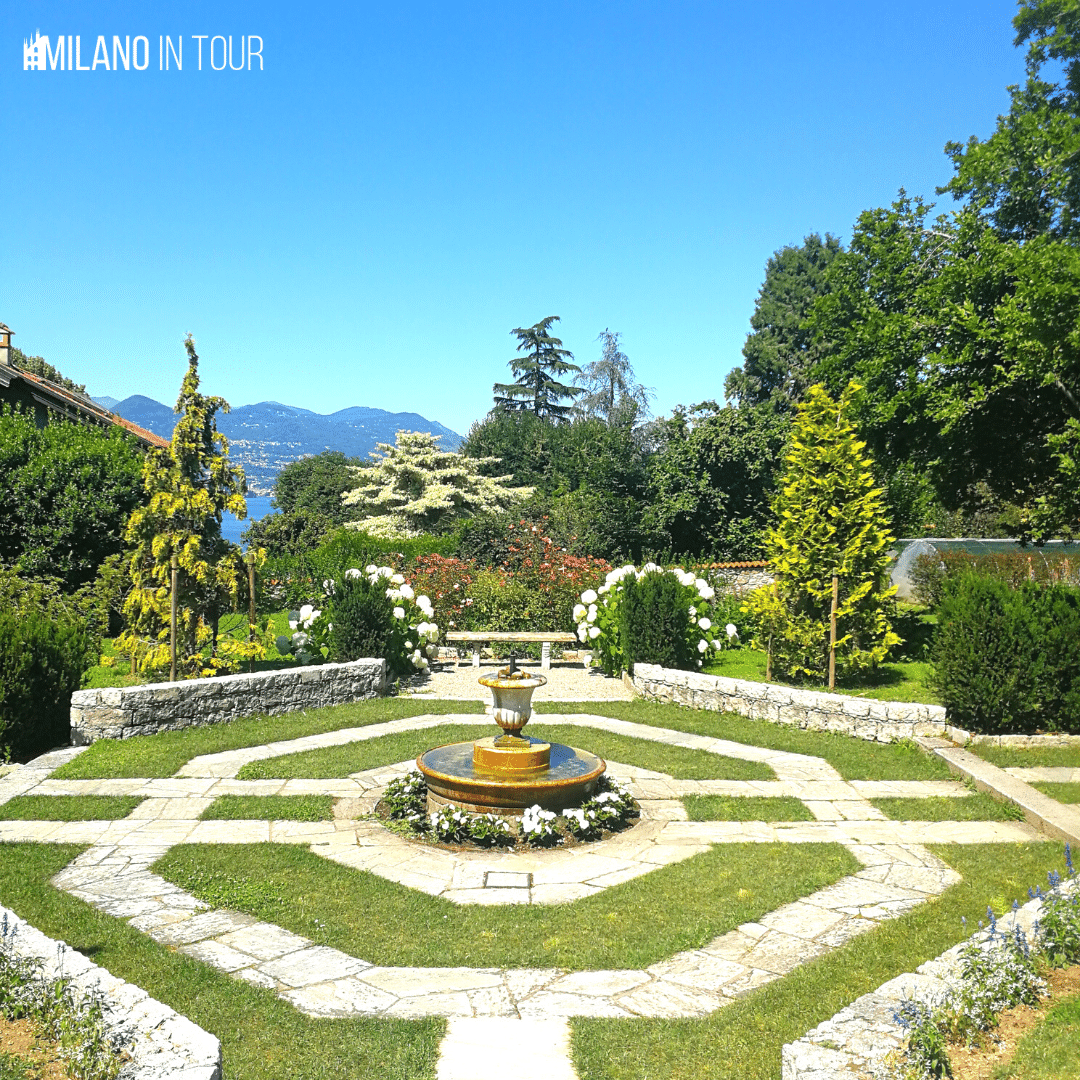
172,621
249,558
768,662
832,632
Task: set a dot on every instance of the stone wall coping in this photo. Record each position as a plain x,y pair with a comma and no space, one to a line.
853,1044
163,1044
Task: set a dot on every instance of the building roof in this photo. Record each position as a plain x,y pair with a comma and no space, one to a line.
75,406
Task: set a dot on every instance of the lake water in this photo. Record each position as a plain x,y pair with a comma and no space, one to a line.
258,507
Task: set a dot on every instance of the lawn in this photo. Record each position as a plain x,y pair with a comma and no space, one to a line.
900,681
68,807
677,907
745,808
1051,1050
337,761
1064,793
743,1041
162,754
269,808
262,1036
1009,757
975,807
854,759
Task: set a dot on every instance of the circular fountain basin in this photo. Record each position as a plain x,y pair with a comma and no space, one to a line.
466,775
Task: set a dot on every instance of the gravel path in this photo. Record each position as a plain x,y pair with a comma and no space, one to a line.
565,682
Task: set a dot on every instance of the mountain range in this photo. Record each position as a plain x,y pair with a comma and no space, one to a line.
264,438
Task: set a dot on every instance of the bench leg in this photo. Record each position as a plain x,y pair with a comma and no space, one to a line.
545,656
476,657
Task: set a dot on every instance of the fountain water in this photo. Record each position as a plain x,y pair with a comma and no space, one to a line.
504,774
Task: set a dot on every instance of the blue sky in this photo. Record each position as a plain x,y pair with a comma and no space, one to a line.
365,220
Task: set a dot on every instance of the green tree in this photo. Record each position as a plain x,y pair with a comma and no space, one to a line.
66,491
829,520
188,486
611,392
780,349
536,388
414,487
317,484
712,477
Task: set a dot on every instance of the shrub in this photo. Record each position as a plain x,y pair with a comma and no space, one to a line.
1006,659
653,622
363,619
42,660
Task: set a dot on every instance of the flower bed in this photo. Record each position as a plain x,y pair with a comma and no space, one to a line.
404,803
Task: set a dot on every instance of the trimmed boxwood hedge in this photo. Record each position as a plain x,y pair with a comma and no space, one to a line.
1008,659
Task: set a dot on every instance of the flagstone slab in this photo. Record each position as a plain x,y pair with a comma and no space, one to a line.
264,941
316,964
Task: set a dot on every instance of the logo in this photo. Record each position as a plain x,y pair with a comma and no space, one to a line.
40,53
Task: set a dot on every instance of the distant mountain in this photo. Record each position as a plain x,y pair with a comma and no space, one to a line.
107,402
266,437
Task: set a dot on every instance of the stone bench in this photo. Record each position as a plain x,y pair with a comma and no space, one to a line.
546,639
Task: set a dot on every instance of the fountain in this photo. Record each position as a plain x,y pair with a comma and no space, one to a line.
505,774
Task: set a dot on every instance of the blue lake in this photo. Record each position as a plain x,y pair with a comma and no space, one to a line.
258,507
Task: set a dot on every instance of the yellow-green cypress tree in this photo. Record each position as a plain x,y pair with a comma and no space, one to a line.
830,520
189,486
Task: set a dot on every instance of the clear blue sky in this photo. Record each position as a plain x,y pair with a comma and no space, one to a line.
363,222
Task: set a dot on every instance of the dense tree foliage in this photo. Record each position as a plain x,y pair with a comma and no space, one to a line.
536,388
316,484
712,477
38,365
780,349
66,491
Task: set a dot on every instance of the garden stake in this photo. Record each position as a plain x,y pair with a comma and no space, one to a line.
832,633
172,622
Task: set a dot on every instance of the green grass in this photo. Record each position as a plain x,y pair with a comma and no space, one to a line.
901,681
262,1036
16,1068
854,759
975,807
269,808
1009,757
1064,792
745,808
637,923
331,762
164,753
68,807
743,1040
1051,1050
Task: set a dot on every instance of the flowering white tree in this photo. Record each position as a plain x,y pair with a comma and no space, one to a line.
414,487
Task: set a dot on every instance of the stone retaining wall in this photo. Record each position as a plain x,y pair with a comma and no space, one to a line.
163,1045
855,1042
119,712
739,580
875,721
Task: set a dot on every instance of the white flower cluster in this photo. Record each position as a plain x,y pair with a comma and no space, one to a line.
582,822
426,632
300,622
538,826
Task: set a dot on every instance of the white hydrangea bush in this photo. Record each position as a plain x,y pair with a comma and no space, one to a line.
598,616
414,634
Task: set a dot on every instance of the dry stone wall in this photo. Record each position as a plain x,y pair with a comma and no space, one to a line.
119,712
162,1044
875,721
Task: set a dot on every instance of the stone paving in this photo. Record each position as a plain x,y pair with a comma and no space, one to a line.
113,874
